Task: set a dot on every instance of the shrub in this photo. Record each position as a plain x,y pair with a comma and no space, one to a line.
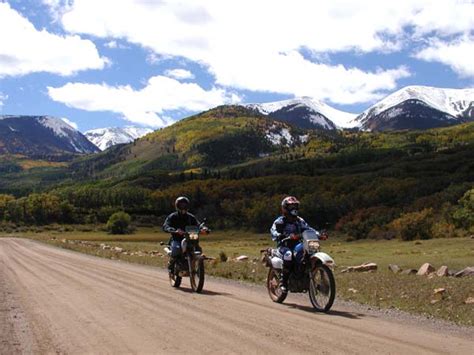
119,223
414,225
464,215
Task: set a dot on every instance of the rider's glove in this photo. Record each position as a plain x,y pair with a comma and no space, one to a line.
323,236
294,236
180,232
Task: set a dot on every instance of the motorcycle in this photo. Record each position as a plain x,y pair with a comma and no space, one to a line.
313,274
191,261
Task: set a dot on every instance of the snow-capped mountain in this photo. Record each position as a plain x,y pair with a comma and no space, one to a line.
105,138
306,112
419,107
41,135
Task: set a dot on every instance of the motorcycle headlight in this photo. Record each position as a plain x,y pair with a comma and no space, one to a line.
193,236
313,245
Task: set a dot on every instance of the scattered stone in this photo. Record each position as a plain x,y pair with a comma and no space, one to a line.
242,258
469,300
394,268
118,249
425,269
442,271
468,271
353,290
439,291
409,272
63,241
367,267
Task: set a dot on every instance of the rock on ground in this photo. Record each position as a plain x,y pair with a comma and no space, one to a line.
361,268
425,269
394,268
469,271
442,271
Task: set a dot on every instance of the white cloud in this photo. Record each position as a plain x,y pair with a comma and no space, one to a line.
24,49
147,106
457,54
3,98
256,45
71,123
179,74
111,44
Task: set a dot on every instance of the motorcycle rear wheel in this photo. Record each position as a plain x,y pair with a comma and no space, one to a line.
273,286
197,275
322,288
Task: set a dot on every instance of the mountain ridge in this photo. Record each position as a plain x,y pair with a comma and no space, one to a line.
41,136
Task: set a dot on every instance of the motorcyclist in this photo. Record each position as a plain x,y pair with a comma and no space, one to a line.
286,231
176,224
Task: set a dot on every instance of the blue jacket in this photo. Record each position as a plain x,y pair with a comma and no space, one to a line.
282,228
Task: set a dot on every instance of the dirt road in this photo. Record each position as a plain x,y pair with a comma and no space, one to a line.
57,301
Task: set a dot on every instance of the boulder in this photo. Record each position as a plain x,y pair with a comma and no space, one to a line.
242,258
409,272
394,268
425,269
442,271
468,271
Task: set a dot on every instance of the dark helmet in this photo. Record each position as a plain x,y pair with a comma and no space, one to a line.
182,204
289,206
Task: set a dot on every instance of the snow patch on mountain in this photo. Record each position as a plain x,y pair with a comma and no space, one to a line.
454,102
59,127
105,138
278,136
340,118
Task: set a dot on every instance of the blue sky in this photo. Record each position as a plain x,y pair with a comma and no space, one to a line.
148,63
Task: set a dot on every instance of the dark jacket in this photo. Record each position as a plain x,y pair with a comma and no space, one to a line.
177,221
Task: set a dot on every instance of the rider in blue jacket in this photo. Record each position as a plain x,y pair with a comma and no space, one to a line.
286,231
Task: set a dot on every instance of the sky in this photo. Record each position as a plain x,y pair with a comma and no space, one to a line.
102,63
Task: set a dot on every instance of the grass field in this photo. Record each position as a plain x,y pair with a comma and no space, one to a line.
383,289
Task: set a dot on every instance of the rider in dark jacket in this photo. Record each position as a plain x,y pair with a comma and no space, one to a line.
176,224
286,231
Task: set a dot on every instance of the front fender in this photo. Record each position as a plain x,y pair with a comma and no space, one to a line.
323,258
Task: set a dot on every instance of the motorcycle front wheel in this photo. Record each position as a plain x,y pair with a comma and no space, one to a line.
273,286
175,281
322,288
197,274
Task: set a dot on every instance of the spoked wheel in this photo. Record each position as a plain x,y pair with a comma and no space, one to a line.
197,274
273,286
322,288
175,281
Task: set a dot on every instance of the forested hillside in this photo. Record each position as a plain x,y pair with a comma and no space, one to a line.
416,184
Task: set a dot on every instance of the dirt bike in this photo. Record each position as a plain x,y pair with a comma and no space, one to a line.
313,274
191,261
